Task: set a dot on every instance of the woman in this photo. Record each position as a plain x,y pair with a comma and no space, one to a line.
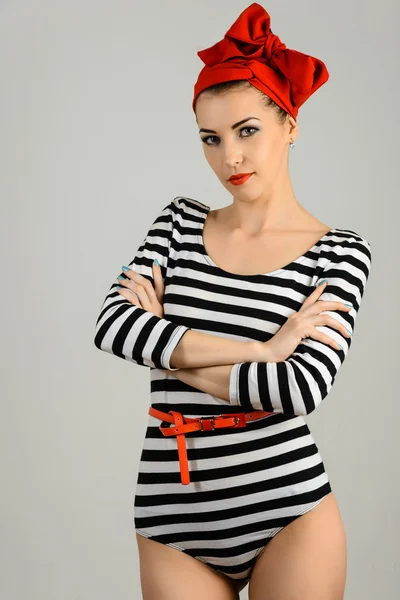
234,325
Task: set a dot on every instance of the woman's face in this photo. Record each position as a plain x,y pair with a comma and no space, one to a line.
257,145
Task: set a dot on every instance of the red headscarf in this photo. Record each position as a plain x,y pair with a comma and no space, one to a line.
249,50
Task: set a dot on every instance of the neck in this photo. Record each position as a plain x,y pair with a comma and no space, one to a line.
277,208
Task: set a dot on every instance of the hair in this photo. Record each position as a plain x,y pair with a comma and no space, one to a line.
242,84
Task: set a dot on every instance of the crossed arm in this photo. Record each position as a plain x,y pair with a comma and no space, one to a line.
241,373
213,378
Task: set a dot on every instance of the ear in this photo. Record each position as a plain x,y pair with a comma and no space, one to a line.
293,129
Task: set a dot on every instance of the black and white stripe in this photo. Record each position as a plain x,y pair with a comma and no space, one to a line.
298,385
130,332
246,484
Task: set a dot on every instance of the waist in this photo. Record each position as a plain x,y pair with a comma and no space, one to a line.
182,425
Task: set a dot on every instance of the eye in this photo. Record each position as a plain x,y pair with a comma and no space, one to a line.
204,139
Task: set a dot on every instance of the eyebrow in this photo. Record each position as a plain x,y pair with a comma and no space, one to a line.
233,126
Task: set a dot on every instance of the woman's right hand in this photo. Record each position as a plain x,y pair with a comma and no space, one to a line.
301,324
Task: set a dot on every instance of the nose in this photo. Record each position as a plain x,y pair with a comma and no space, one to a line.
232,158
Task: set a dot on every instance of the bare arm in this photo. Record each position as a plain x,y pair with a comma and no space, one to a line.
197,349
215,380
211,380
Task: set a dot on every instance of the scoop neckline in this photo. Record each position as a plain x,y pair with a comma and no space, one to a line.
297,260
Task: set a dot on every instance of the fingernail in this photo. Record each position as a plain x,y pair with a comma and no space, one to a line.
156,262
349,304
117,287
120,277
340,346
125,268
321,282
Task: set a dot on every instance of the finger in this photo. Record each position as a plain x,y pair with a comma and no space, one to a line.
313,296
158,282
325,339
143,297
334,305
141,286
130,296
335,324
130,287
135,277
319,288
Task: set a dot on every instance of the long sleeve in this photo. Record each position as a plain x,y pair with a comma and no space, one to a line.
298,385
129,331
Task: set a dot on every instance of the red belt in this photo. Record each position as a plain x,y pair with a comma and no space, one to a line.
184,425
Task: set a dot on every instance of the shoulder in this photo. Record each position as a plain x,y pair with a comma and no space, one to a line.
186,204
188,209
182,205
348,250
183,209
341,240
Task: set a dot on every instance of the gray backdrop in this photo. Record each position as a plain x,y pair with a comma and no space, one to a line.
97,135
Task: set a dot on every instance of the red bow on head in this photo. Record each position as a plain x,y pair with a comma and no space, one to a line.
249,50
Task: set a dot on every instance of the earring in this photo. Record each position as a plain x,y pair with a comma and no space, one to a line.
291,144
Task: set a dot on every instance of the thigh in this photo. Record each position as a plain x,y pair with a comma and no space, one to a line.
306,559
167,573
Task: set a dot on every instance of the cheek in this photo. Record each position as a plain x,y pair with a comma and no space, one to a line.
264,149
210,160
213,160
269,153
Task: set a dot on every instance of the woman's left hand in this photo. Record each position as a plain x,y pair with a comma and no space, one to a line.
139,291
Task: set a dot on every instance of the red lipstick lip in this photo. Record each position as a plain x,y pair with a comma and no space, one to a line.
239,176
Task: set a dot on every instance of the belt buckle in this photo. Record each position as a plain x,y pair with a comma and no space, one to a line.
239,419
212,420
208,419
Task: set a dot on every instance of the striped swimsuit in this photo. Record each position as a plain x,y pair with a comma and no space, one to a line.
245,484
